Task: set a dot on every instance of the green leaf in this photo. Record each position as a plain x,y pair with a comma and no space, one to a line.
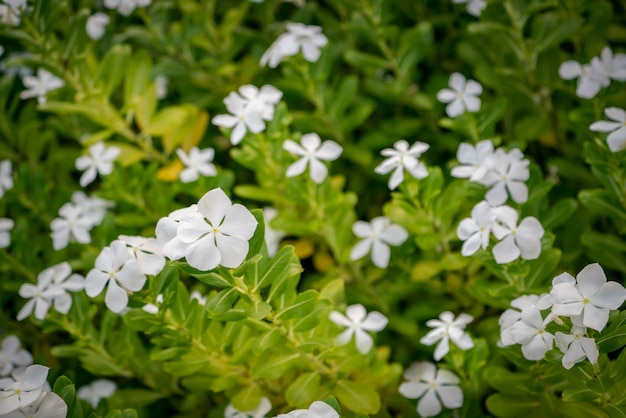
559,213
364,62
258,239
303,305
311,320
272,366
542,268
579,394
357,397
303,390
138,77
507,406
222,301
214,279
614,336
247,398
66,391
109,73
603,203
268,340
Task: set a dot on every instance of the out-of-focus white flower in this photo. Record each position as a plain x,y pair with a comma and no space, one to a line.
357,321
617,128
312,151
47,405
447,329
508,173
151,307
98,161
198,296
259,412
591,77
401,157
317,409
6,176
272,236
166,233
147,252
478,161
70,225
377,236
218,233
11,10
267,98
474,7
97,390
196,162
6,225
116,268
589,294
94,208
530,332
475,231
96,24
523,240
511,316
40,85
126,7
614,65
299,37
433,386
462,96
576,347
13,356
23,388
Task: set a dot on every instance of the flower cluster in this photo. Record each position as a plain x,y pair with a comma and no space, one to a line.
308,39
26,394
595,75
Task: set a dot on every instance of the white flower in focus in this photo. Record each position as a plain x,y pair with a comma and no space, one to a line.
96,24
126,7
475,231
508,173
166,233
462,96
272,236
298,37
196,162
402,157
477,160
147,252
23,388
6,176
523,240
511,316
312,151
357,322
433,386
98,161
151,308
11,10
47,405
13,356
259,412
71,225
116,268
40,85
617,128
376,237
589,294
245,116
576,347
474,7
97,390
218,233
530,332
6,225
447,329
591,77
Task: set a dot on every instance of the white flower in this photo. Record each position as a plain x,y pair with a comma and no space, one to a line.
115,267
317,409
96,24
23,388
615,65
617,136
267,97
126,7
198,296
6,225
153,309
591,77
462,96
576,347
511,316
312,151
166,233
47,405
98,161
62,277
523,240
196,162
376,237
474,7
478,160
71,225
475,231
298,37
530,332
11,11
93,208
589,294
96,391
433,386
357,323
218,233
6,179
147,252
259,412
447,328
245,116
13,356
51,288
40,85
161,82
507,174
272,236
401,157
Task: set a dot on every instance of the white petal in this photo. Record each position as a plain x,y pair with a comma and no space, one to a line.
380,254
590,279
297,168
116,298
394,235
442,349
356,312
506,251
429,405
363,341
318,170
412,390
451,396
233,250
375,321
594,317
361,249
329,151
203,254
214,205
611,296
569,70
239,221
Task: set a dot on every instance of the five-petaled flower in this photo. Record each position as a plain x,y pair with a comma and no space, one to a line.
508,173
196,162
447,329
523,240
433,386
401,157
22,388
616,128
40,85
13,356
312,151
530,332
98,161
357,321
298,37
462,96
478,160
376,237
576,346
512,316
97,390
